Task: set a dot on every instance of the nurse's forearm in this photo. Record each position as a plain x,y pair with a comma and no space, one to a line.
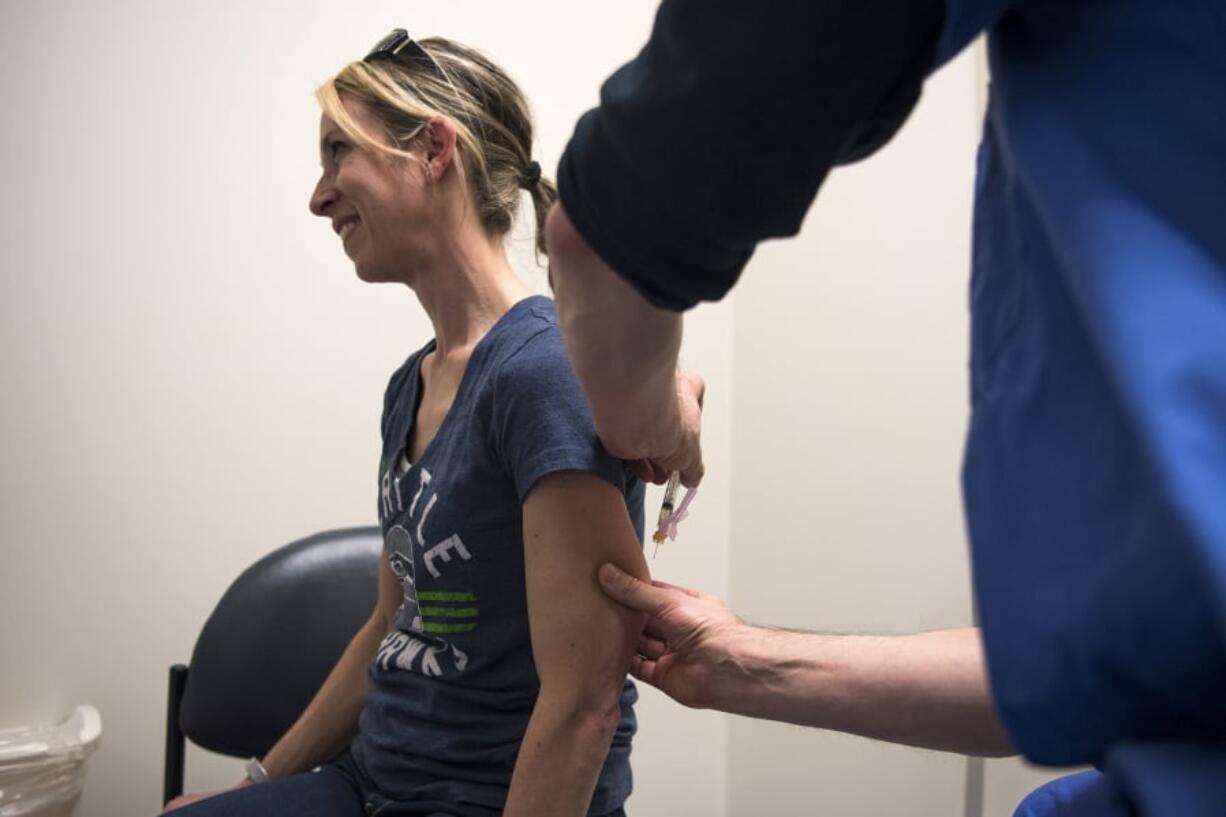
623,349
928,690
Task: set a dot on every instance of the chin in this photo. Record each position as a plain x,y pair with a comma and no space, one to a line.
375,275
370,273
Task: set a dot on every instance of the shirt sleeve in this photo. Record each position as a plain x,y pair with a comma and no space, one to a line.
718,135
540,419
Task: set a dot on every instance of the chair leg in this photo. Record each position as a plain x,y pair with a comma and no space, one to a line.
172,784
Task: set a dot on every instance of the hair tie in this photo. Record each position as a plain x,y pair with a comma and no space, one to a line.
530,176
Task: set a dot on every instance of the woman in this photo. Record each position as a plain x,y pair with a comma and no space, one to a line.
491,678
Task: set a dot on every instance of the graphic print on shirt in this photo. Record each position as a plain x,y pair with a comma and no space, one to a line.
399,546
417,643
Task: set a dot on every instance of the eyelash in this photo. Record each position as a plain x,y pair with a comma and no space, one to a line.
335,147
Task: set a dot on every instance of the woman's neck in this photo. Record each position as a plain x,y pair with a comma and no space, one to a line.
465,290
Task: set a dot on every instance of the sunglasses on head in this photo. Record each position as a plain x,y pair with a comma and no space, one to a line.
400,47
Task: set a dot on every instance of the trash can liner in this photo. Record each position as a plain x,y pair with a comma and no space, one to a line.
41,766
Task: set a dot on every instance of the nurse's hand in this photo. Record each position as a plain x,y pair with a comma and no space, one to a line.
690,645
679,438
923,689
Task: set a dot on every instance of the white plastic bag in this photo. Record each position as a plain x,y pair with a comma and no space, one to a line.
42,768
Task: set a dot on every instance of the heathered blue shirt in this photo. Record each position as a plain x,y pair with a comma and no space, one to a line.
1095,467
453,686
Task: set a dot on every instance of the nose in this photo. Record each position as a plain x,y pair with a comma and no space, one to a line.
323,197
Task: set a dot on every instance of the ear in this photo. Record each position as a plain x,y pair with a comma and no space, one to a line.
439,139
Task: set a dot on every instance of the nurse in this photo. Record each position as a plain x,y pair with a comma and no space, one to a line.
1095,462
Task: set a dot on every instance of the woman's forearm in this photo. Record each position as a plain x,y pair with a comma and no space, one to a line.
560,759
331,719
928,689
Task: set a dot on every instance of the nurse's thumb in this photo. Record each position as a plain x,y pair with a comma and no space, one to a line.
629,591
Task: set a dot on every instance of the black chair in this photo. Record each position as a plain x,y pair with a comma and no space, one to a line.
269,644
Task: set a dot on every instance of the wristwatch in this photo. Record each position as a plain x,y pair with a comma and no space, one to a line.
256,772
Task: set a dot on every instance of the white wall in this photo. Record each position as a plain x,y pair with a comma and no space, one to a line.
850,361
192,376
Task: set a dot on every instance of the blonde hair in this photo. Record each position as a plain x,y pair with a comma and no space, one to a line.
492,121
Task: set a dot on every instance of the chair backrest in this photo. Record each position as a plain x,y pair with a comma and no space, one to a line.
273,638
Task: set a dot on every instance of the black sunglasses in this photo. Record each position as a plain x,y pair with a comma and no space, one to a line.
400,47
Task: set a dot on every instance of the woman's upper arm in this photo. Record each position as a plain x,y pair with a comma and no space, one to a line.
581,640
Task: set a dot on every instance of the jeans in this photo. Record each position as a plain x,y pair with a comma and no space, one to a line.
339,788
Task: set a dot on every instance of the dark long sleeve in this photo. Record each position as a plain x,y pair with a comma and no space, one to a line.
718,135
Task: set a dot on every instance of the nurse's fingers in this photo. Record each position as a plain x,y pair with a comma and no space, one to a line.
644,669
651,647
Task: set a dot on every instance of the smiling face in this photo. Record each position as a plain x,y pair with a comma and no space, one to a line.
377,202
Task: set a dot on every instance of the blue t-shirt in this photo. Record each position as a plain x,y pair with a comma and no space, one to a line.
453,686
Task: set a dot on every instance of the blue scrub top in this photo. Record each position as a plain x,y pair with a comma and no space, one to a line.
1095,470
